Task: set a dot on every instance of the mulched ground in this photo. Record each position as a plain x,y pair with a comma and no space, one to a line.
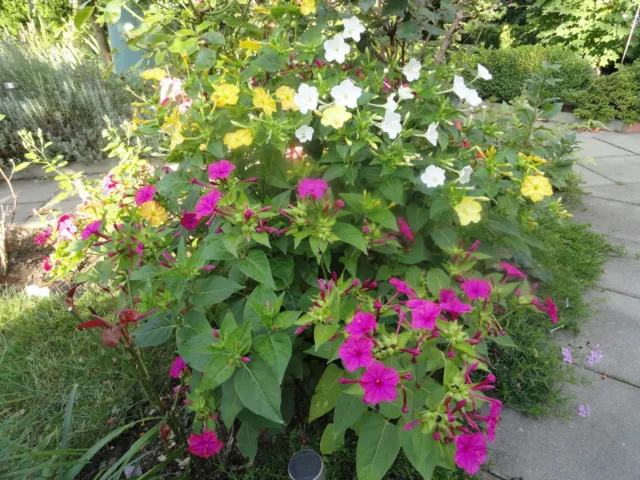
25,258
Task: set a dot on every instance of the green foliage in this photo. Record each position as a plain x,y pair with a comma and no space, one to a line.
615,96
46,14
511,67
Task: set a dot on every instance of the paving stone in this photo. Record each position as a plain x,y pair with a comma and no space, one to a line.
626,141
603,446
592,147
591,179
617,220
621,193
622,274
29,191
622,169
23,212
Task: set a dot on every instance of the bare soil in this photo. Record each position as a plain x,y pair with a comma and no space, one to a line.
25,258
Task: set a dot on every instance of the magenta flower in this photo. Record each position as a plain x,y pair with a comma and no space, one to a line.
402,288
43,237
512,271
449,302
549,308
471,452
379,383
220,169
91,229
356,353
405,230
312,187
423,313
205,445
66,227
207,204
362,324
108,183
46,265
476,288
494,419
177,367
145,194
189,220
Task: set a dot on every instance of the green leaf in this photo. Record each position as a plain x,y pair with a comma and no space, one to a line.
275,350
269,61
446,239
239,340
205,59
421,450
327,392
285,319
330,442
259,390
351,235
248,440
217,372
230,405
214,290
213,38
322,333
155,331
393,189
394,7
349,408
437,279
378,447
199,350
82,15
256,266
505,341
502,225
408,29
112,11
439,207
334,171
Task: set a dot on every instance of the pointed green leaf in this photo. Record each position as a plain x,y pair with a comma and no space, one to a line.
327,392
248,440
275,350
217,372
330,442
437,279
349,408
154,331
214,290
378,447
259,390
230,405
421,450
256,265
351,235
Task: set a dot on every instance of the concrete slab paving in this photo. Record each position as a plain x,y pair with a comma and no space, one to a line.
603,446
592,179
622,274
592,146
622,169
29,191
619,220
625,141
629,193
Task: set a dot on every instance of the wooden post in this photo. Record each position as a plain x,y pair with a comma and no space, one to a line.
101,38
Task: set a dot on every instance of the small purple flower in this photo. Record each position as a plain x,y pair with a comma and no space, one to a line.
132,470
594,356
566,355
584,410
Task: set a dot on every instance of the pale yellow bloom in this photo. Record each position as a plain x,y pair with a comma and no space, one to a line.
250,45
308,7
469,211
536,187
285,95
154,213
335,116
226,94
264,101
238,138
154,74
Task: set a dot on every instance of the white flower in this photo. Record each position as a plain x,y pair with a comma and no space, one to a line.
306,99
346,94
304,133
353,28
483,73
170,89
432,134
405,93
336,49
36,291
473,98
459,88
391,105
412,70
433,176
465,175
391,124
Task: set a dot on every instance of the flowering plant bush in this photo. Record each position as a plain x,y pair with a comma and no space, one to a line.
332,200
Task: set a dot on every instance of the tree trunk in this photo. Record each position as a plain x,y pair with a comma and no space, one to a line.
101,37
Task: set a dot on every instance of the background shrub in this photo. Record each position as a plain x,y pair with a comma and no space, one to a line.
59,87
14,14
512,67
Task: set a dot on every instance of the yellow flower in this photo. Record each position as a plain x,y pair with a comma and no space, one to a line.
226,94
335,116
262,99
536,187
154,74
307,7
250,45
285,95
469,211
154,213
238,138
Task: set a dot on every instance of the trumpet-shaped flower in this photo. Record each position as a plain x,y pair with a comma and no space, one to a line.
391,124
469,211
91,229
286,96
433,176
362,324
412,70
306,99
264,101
239,138
205,445
459,87
67,228
346,94
483,73
144,194
402,288
308,7
512,271
312,187
471,452
353,28
432,134
225,94
476,288
405,93
336,49
221,169
154,213
356,353
304,133
177,367
464,176
206,206
536,187
379,383
424,313
335,116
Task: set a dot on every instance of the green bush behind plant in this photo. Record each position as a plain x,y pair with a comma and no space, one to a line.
59,88
15,14
512,67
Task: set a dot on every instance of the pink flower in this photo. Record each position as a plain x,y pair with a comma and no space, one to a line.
449,302
189,220
476,288
46,264
494,419
379,383
362,324
405,230
177,367
402,288
423,313
207,204
145,194
512,271
205,445
550,308
312,187
471,452
170,89
92,228
43,237
66,227
108,184
356,353
220,169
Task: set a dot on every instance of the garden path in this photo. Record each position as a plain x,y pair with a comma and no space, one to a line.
604,445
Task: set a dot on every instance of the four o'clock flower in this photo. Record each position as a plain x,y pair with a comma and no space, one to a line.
189,220
512,271
205,445
145,194
67,228
306,99
391,124
379,383
304,133
91,229
459,87
483,73
464,176
412,70
549,307
476,288
220,169
353,28
433,176
363,324
336,49
177,367
206,206
312,187
405,230
391,105
424,313
449,302
402,288
405,93
432,134
471,452
356,353
346,94
473,98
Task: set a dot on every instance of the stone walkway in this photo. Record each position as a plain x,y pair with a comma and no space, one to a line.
605,445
